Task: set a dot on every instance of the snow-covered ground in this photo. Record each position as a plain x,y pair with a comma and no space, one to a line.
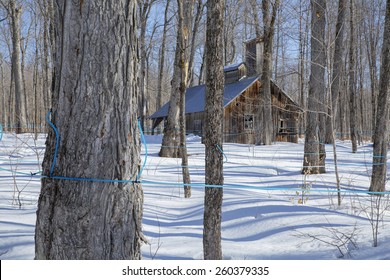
270,210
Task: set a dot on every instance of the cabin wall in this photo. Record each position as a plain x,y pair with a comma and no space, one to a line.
285,118
195,123
243,118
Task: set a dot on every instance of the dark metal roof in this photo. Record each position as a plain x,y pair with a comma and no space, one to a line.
195,97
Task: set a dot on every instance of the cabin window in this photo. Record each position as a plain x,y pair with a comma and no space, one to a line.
283,126
197,126
248,122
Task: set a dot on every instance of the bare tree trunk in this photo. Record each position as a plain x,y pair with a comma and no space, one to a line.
20,110
232,16
162,57
314,151
342,117
337,68
144,11
171,139
352,83
94,110
4,107
198,16
11,102
184,8
302,69
35,88
256,19
269,18
25,43
35,83
23,49
51,16
277,47
378,178
46,70
363,117
215,79
202,69
371,33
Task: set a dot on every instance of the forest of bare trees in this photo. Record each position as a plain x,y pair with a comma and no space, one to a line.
28,47
331,57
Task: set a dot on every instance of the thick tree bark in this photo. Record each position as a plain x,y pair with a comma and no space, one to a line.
314,156
215,80
378,178
94,110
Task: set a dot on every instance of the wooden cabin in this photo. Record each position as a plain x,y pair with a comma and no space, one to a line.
243,106
242,110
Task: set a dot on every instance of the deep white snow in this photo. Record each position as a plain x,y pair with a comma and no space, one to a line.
270,210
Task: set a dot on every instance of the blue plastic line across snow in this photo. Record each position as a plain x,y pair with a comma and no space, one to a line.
195,185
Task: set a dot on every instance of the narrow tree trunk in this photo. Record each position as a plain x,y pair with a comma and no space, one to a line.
215,78
24,83
343,111
11,102
337,68
4,107
269,18
94,111
314,156
171,139
371,34
277,48
256,19
301,81
144,8
378,178
183,36
35,86
202,69
363,105
53,48
198,17
20,111
352,83
161,63
323,102
46,43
